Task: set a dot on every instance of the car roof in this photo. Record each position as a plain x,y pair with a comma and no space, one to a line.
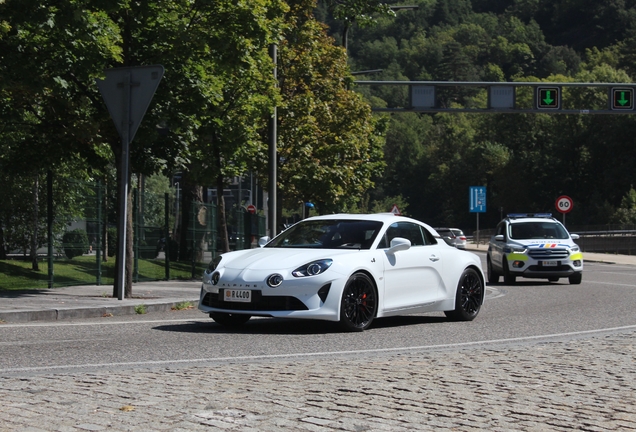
380,217
530,217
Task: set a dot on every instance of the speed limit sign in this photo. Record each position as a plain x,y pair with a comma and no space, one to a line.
564,204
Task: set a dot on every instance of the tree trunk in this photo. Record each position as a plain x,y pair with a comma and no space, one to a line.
220,202
190,193
3,250
127,282
34,232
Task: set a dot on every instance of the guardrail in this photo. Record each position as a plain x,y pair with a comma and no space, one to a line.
618,241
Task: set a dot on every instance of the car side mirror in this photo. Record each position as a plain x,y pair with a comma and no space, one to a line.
574,236
263,241
399,244
499,237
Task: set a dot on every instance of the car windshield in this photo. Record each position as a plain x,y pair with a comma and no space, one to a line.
537,230
328,234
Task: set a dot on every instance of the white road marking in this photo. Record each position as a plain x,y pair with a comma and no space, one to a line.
312,354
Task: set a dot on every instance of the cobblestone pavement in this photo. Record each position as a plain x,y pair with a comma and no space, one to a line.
584,384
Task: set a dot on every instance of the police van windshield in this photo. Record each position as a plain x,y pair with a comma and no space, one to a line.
537,230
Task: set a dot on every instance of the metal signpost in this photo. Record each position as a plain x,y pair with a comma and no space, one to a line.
477,199
127,93
564,205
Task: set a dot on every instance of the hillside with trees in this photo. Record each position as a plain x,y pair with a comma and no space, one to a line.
525,160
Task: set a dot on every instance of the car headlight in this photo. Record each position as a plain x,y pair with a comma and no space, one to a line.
313,268
213,264
574,249
518,250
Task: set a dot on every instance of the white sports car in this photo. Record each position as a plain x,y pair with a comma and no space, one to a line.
349,268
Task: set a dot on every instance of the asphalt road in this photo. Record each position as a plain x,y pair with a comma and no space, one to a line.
539,357
527,312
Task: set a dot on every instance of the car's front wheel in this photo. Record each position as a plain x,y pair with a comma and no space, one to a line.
359,303
230,319
468,298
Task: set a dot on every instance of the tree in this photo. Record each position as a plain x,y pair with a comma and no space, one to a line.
329,145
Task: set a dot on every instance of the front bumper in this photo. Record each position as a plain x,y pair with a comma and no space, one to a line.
311,297
526,266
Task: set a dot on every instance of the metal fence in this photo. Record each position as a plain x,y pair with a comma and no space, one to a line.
81,250
613,239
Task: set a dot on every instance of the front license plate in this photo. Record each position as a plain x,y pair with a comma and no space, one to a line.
549,263
233,295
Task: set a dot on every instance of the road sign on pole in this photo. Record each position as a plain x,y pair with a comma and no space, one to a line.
564,204
144,81
477,199
127,93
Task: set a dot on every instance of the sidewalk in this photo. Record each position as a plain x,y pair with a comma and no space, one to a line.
94,301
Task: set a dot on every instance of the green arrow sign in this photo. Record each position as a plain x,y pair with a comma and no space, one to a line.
548,98
622,98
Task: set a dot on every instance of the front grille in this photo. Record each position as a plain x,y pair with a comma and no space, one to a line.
544,254
561,268
259,302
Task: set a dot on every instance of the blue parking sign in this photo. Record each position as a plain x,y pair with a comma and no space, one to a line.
477,199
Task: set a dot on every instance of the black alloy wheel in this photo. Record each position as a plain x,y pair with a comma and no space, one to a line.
359,303
230,320
469,297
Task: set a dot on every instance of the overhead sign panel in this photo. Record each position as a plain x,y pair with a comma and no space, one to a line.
422,96
127,93
501,97
548,98
622,98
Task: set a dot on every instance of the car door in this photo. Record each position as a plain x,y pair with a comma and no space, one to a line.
497,247
411,277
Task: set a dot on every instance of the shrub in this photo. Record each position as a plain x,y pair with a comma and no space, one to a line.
75,243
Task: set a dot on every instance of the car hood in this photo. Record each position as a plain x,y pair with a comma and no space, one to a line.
278,258
544,244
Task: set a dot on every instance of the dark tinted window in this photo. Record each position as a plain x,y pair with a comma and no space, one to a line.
329,234
409,231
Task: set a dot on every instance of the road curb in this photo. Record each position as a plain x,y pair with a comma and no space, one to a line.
60,314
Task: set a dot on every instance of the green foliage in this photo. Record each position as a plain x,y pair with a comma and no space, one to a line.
75,243
626,213
329,143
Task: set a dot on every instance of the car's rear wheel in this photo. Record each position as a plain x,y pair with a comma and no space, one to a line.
576,278
493,276
359,303
230,319
468,298
508,277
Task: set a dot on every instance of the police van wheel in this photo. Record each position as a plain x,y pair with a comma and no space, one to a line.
508,278
493,276
576,278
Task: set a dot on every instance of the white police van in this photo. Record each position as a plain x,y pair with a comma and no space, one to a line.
533,246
